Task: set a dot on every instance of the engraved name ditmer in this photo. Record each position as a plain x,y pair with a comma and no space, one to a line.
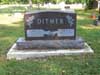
50,21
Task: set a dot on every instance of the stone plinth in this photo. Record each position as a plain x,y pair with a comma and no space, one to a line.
14,53
78,43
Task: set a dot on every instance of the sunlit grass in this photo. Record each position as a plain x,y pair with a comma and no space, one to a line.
81,17
9,20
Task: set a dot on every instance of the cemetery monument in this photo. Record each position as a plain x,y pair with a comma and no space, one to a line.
48,32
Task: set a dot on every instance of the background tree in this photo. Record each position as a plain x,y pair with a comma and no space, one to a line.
91,4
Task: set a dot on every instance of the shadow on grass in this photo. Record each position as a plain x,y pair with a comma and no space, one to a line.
8,35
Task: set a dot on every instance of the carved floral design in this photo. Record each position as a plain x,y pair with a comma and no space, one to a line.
30,21
70,20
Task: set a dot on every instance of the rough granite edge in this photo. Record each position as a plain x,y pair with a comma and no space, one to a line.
78,43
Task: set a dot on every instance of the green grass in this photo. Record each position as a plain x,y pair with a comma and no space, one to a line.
84,64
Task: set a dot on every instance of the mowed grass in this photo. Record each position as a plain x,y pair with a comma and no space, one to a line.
12,27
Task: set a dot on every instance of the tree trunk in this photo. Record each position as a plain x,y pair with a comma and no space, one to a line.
38,4
30,3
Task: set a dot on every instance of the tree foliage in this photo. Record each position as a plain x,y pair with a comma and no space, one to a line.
40,1
89,3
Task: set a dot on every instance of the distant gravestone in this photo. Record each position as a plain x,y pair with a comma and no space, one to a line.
52,24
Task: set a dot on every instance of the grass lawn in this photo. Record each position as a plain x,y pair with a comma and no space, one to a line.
11,27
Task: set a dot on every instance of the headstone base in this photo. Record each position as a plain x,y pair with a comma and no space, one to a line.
78,43
14,53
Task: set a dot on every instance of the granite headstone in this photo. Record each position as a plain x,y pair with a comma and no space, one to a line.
50,29
50,24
